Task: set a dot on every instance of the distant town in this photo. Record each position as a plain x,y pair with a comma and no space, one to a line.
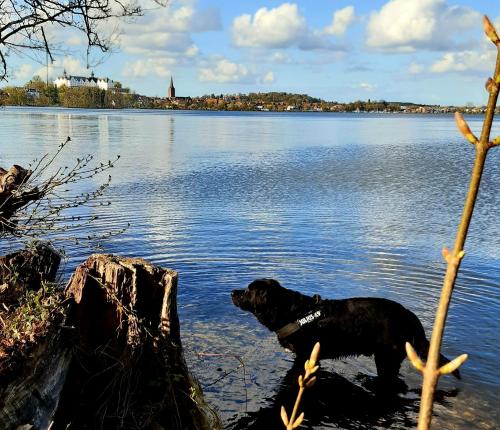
95,92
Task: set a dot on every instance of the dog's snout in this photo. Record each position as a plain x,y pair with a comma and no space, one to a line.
235,293
238,298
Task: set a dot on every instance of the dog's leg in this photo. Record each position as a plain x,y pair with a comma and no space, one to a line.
388,364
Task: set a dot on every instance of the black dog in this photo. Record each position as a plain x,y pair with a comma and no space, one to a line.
349,327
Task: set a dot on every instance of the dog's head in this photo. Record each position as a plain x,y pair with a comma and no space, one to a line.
256,295
272,304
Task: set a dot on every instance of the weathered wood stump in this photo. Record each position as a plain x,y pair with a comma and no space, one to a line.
129,370
32,358
11,179
116,362
27,270
14,194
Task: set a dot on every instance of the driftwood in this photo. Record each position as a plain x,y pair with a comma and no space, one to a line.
12,195
12,178
116,362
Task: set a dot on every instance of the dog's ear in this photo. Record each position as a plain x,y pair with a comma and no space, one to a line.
273,283
317,298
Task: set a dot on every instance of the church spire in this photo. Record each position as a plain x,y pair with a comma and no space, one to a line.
171,89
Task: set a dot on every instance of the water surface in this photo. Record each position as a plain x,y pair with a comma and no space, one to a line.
336,204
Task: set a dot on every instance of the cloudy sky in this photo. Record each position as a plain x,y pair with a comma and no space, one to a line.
423,51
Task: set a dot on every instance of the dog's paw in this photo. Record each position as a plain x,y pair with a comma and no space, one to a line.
391,386
384,386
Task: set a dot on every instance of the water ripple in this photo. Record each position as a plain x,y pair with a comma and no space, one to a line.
314,201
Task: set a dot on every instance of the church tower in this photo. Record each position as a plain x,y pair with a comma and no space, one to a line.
171,89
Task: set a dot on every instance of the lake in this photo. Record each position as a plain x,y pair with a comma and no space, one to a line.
340,205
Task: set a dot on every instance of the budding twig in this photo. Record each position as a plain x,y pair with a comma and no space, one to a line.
453,365
431,371
447,368
464,128
414,358
306,381
490,31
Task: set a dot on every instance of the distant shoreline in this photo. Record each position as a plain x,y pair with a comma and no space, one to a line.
263,112
37,94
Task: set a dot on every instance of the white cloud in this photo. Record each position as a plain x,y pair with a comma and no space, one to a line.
281,27
275,28
280,58
366,86
415,68
57,34
187,19
24,72
342,18
224,71
149,67
465,62
268,78
72,65
168,31
75,40
408,25
157,43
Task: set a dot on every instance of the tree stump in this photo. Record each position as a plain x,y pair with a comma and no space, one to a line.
33,361
129,370
27,270
115,362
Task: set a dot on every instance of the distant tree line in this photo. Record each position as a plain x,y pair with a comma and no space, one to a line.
279,101
38,93
276,97
372,105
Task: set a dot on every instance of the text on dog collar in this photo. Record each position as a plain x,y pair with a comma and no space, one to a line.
296,325
309,318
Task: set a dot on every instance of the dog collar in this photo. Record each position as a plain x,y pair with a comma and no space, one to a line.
296,325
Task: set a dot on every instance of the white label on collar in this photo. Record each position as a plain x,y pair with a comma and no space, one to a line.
309,318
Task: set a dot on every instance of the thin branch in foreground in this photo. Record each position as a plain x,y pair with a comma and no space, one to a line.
306,381
431,372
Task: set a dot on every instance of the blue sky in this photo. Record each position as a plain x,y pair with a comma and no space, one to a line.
423,51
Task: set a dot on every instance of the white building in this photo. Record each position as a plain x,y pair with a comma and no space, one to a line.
83,81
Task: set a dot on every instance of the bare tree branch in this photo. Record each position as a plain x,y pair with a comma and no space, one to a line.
22,23
38,201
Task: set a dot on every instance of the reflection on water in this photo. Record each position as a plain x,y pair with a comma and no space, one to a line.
337,402
340,205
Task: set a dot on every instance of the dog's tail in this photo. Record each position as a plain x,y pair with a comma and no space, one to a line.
422,347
